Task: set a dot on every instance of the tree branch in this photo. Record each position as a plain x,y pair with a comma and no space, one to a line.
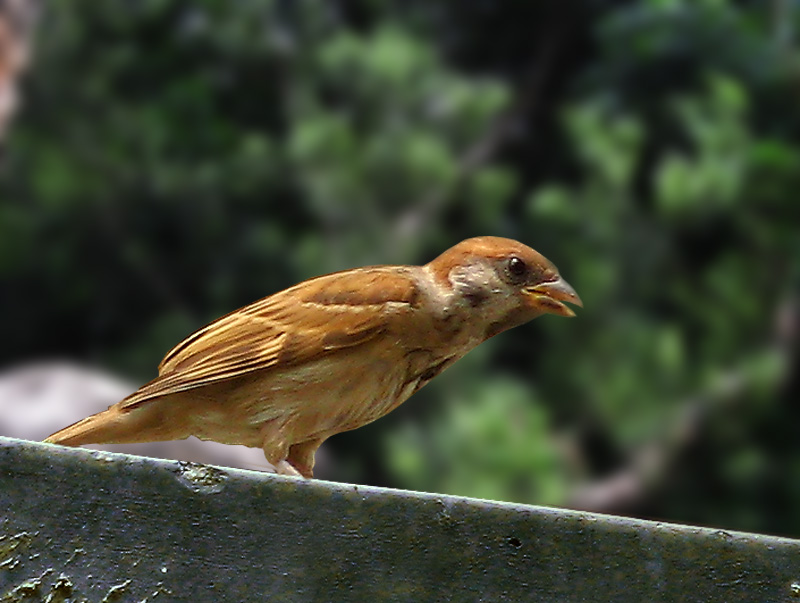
17,19
647,469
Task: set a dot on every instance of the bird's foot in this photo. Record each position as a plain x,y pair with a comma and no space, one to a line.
284,467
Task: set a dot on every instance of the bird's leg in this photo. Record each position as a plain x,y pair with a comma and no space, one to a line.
301,456
276,449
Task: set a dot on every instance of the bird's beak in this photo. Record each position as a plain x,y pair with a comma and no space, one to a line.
548,297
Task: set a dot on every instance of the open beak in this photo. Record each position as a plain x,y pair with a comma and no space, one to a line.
548,297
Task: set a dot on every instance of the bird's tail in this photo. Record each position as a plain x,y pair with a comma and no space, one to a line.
107,427
130,421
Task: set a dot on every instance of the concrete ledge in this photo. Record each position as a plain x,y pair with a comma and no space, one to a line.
78,525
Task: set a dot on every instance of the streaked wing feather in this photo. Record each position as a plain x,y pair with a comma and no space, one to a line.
289,328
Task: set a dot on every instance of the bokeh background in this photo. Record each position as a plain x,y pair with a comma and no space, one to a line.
175,160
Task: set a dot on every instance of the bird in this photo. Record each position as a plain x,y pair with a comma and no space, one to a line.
331,353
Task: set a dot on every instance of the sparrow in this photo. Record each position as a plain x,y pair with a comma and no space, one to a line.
332,353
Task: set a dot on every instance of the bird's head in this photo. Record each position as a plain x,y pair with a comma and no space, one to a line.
505,282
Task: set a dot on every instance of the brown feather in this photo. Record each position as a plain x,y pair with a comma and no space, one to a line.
278,331
329,354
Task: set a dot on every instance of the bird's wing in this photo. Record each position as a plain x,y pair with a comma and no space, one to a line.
290,328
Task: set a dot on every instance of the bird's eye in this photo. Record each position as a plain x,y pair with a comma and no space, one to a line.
517,267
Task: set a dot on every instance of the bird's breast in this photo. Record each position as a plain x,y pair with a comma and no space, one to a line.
329,395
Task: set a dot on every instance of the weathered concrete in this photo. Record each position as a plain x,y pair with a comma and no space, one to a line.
79,525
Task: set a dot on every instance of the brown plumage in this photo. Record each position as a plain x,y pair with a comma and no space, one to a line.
332,353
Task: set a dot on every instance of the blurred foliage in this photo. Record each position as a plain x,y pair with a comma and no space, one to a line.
176,160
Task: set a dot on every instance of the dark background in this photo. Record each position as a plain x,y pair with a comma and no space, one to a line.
175,160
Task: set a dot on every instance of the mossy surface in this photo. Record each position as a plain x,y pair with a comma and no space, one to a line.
84,526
